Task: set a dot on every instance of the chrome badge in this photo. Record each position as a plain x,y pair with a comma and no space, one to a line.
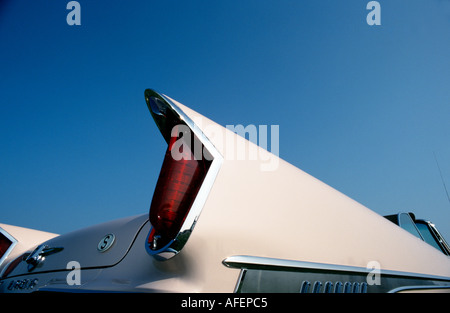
106,242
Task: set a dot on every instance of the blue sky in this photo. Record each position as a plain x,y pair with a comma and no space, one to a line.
360,107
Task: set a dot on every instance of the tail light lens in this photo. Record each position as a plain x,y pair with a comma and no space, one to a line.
12,265
190,166
178,184
5,243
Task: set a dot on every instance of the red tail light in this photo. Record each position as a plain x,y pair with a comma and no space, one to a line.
5,243
11,266
178,184
190,165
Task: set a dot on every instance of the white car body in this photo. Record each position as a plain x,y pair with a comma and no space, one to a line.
255,224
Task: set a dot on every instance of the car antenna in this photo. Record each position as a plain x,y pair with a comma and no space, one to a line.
442,178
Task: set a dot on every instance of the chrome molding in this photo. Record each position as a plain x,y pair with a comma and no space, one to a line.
419,288
37,257
239,280
437,235
244,261
320,277
175,245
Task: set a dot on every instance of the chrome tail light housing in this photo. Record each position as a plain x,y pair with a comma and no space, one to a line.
191,164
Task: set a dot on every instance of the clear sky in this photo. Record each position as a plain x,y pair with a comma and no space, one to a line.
360,107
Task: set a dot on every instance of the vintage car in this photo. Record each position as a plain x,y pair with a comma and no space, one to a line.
229,216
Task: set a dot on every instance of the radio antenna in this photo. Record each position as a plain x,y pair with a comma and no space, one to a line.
442,177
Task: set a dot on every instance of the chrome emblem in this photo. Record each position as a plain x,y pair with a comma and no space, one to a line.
37,257
106,242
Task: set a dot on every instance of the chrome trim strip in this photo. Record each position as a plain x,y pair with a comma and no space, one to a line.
239,280
175,245
11,247
417,288
439,237
411,222
255,262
